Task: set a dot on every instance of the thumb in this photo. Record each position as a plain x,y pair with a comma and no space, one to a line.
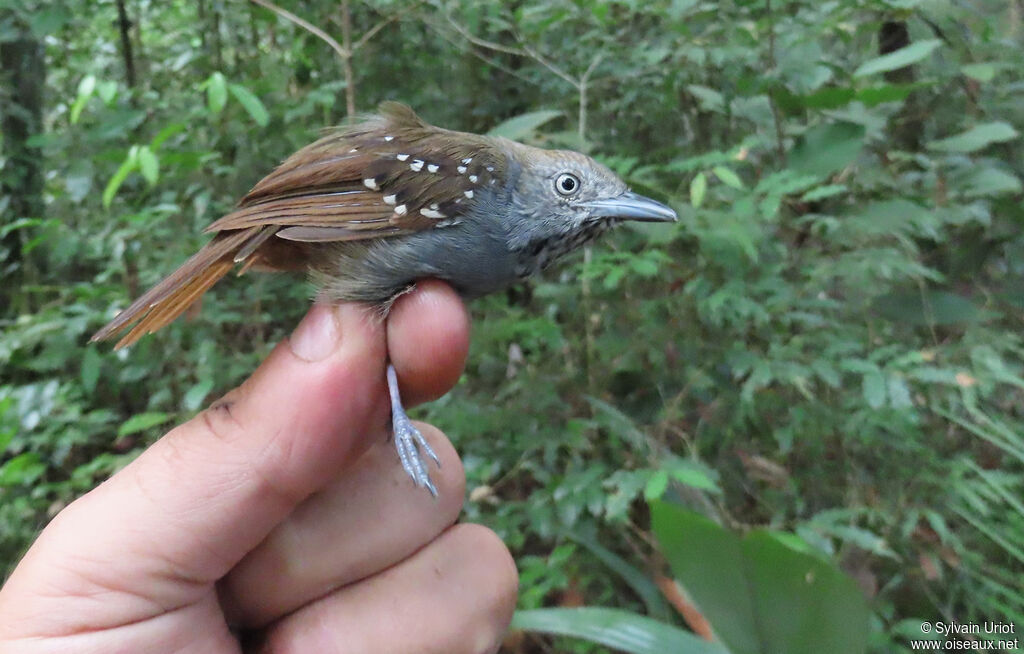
188,508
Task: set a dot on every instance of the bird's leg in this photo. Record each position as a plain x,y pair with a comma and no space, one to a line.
408,440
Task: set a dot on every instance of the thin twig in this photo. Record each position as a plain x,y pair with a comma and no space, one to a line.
309,27
536,56
444,34
346,62
370,33
483,43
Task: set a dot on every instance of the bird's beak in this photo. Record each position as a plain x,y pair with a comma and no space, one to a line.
631,206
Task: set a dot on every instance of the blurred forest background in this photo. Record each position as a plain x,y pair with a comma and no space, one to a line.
825,351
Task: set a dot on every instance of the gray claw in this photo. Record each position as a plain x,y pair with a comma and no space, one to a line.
408,440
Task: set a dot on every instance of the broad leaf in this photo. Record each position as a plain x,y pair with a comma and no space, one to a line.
900,58
524,125
760,594
252,105
142,422
216,92
621,630
976,138
827,148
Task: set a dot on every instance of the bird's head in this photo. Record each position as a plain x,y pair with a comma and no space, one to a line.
563,192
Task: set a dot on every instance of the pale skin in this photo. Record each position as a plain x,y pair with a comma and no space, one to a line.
279,519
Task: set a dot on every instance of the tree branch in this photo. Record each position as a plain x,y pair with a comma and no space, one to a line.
309,27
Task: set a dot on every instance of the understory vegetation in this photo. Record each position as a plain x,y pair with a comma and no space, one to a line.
824,351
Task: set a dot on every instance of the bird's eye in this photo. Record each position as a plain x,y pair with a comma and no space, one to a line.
567,184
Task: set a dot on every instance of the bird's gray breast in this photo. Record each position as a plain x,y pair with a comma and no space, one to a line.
473,256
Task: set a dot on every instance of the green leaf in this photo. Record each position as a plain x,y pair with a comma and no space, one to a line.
876,95
107,91
932,307
827,148
823,192
216,92
976,138
988,181
873,389
23,469
252,105
982,72
194,396
142,421
130,163
523,125
761,593
637,579
728,177
91,364
900,58
656,485
85,90
899,393
78,179
693,474
698,187
620,630
710,99
149,166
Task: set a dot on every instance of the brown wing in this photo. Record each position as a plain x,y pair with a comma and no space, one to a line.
391,174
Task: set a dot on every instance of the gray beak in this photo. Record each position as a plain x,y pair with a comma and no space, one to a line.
631,206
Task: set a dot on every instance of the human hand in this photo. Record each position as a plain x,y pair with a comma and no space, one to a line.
266,517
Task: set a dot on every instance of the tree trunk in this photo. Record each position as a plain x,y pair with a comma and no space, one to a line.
125,26
21,118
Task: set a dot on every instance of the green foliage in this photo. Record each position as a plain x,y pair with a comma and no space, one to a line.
827,344
766,592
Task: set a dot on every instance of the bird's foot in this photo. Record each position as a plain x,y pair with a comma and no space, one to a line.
408,440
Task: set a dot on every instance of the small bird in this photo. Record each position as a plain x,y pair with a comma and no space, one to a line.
371,208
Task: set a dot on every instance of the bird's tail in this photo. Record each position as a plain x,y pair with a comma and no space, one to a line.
160,305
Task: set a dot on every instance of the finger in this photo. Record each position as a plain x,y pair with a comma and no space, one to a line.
196,501
428,367
456,595
367,520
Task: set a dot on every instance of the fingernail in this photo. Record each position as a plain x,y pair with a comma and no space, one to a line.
317,335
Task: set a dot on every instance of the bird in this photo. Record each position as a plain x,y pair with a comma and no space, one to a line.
369,209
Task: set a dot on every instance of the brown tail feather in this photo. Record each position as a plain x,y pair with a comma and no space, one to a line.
167,300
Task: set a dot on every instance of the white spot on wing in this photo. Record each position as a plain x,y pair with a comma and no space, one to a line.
469,194
431,213
472,178
401,157
389,138
448,223
416,165
353,150
390,199
432,168
490,169
370,183
461,169
467,160
400,210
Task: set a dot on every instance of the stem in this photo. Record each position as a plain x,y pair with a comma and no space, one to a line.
346,61
309,27
780,146
124,25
